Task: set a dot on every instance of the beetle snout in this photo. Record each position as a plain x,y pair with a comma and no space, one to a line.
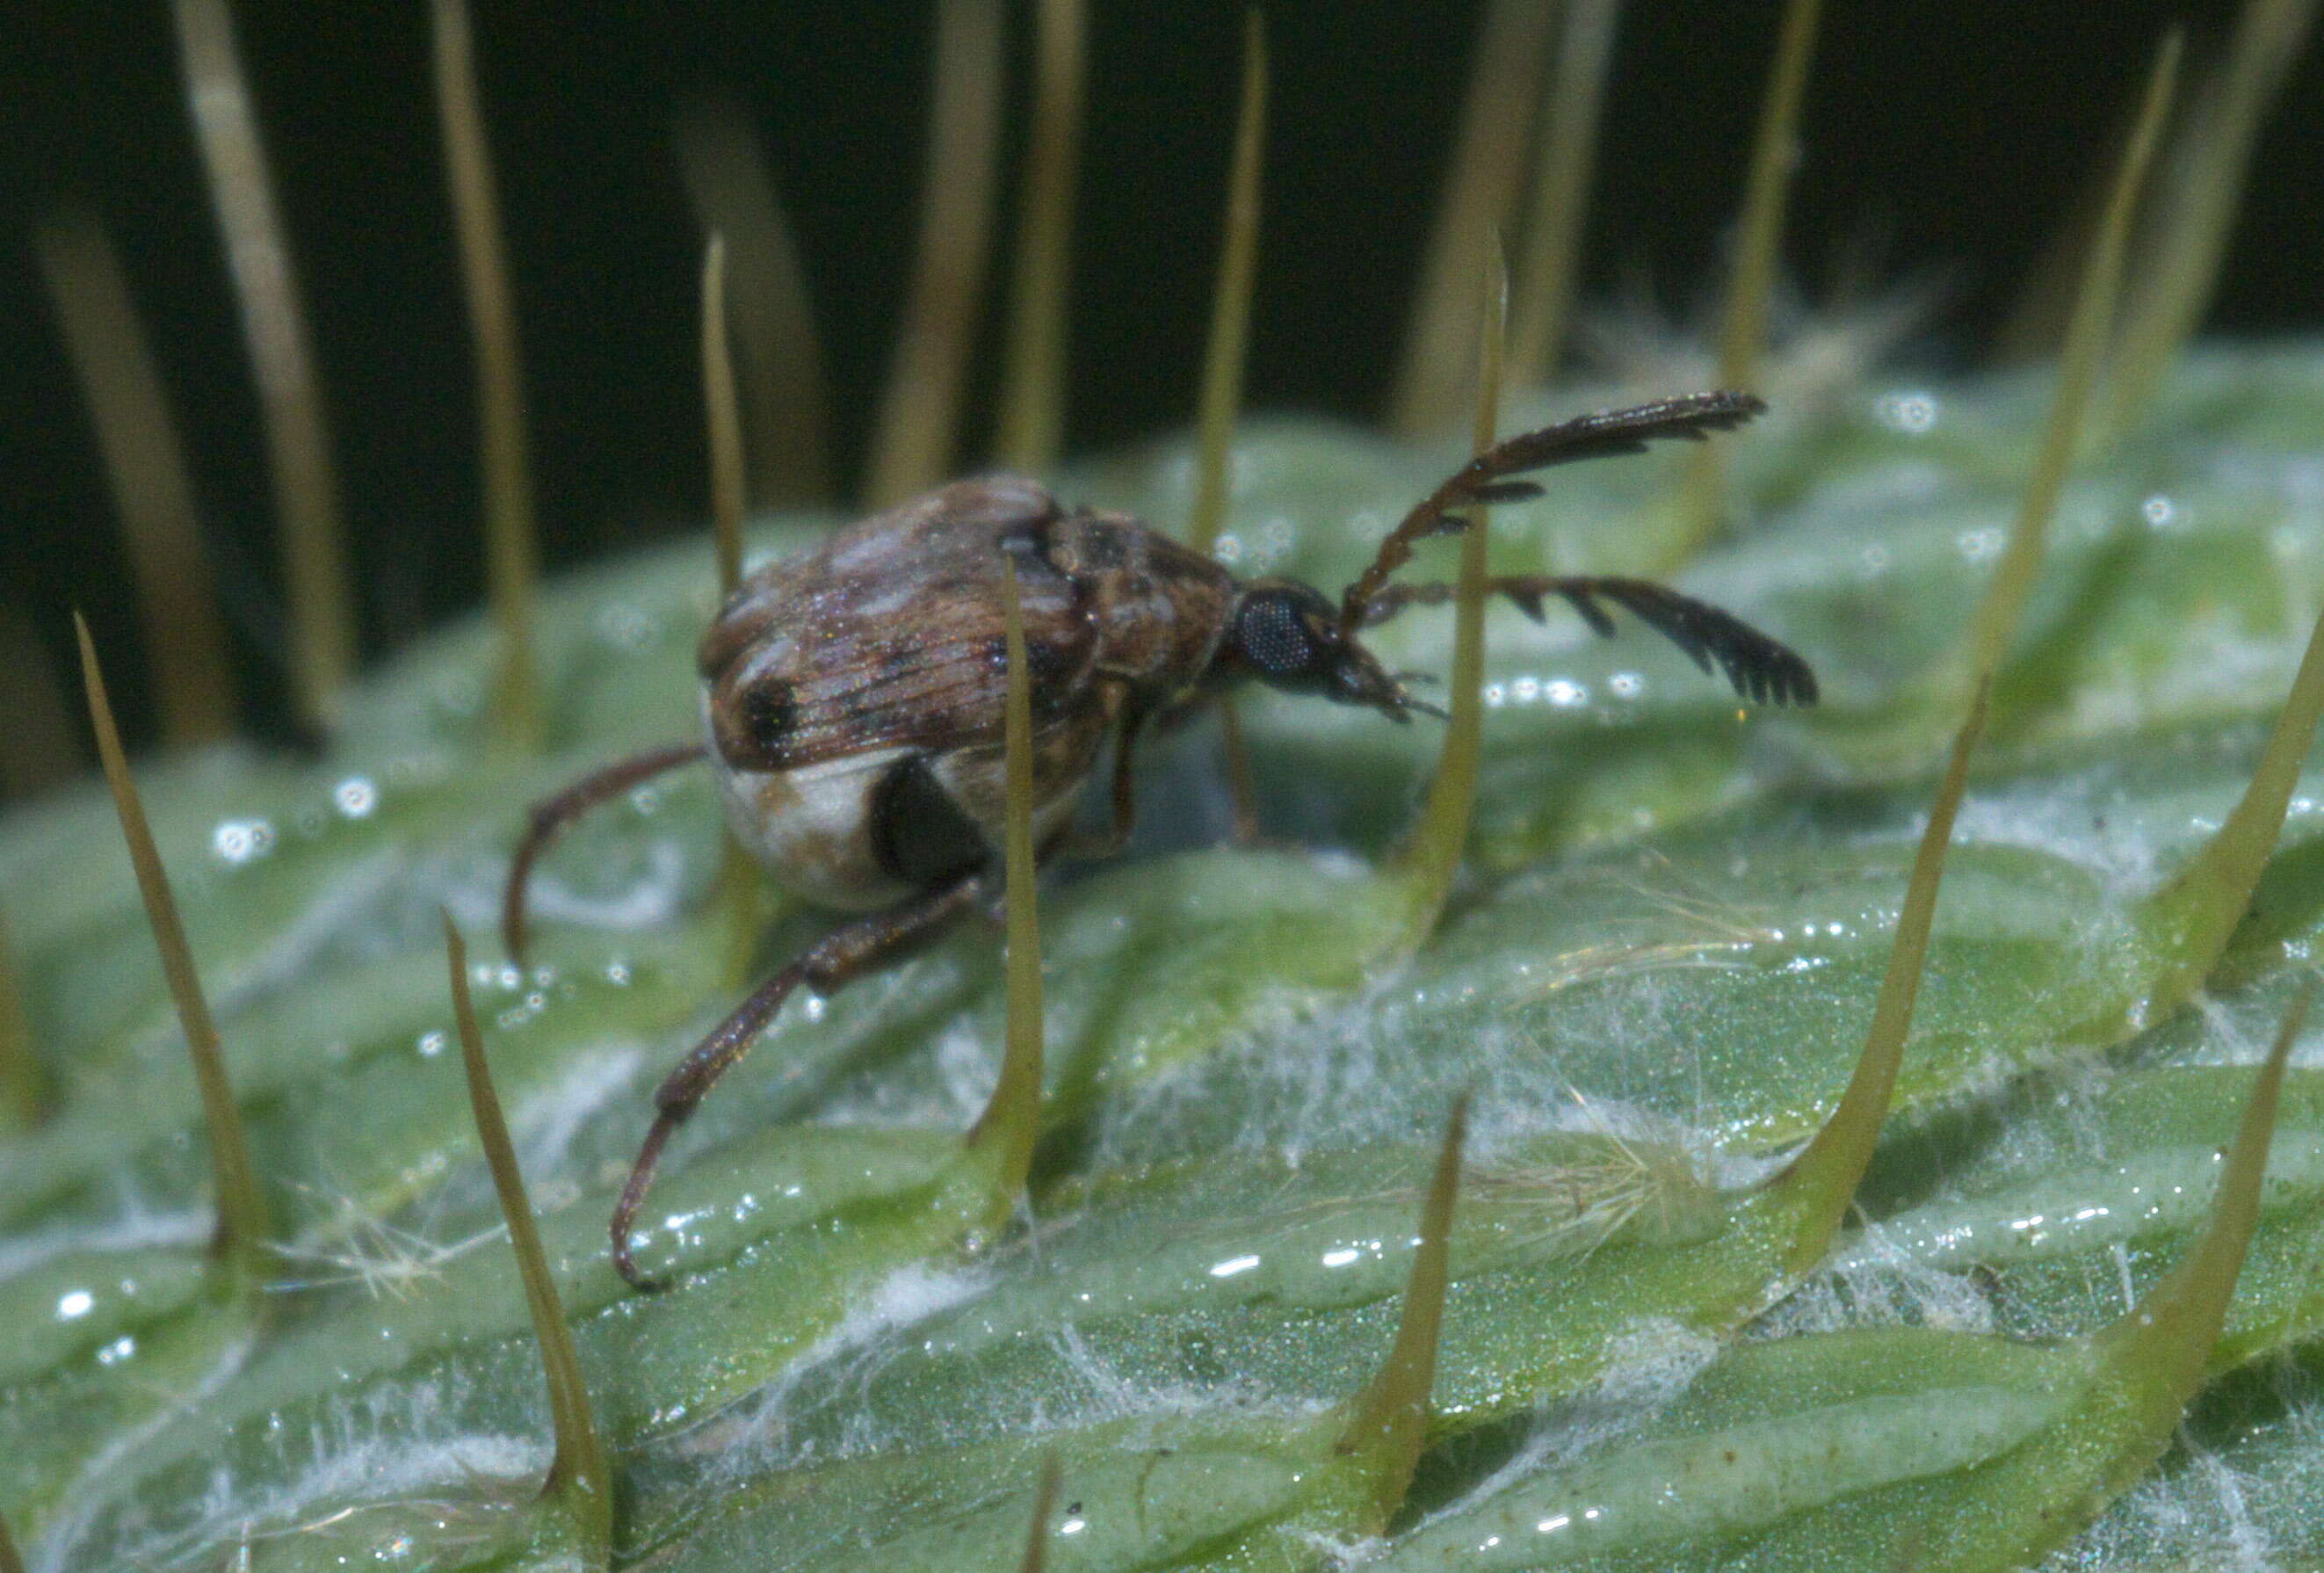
1358,678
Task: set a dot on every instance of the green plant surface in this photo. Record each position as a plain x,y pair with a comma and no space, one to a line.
1654,977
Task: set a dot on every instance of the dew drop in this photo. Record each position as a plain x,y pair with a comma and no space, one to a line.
1913,412
240,841
356,797
1977,545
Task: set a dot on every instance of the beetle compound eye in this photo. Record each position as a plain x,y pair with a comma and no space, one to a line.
1278,636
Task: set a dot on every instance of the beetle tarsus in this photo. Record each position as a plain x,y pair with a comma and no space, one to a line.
633,1195
549,817
830,962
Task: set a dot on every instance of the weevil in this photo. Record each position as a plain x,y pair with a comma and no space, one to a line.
851,696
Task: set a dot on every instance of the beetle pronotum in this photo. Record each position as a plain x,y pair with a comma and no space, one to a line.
851,696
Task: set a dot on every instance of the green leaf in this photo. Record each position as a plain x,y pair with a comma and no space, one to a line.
1653,976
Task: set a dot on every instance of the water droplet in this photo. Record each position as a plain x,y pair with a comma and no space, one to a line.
1911,412
1977,545
356,797
74,1303
239,841
623,626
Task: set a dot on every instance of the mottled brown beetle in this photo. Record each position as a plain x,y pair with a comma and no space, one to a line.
852,695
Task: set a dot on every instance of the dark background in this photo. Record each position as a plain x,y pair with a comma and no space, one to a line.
1953,136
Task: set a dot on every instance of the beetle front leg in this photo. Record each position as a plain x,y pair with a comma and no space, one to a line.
832,961
1122,814
549,817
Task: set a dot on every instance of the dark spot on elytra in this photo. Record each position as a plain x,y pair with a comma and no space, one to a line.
1028,541
769,714
1050,664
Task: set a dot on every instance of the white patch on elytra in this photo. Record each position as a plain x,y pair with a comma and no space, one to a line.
808,826
885,604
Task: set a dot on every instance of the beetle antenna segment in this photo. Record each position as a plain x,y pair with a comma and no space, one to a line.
549,817
832,961
1485,479
1762,670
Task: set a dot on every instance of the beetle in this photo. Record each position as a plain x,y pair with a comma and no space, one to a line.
851,696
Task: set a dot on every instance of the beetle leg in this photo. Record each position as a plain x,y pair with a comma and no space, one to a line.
826,964
1122,814
1760,668
548,819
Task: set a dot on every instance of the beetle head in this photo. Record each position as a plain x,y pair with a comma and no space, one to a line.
1288,636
